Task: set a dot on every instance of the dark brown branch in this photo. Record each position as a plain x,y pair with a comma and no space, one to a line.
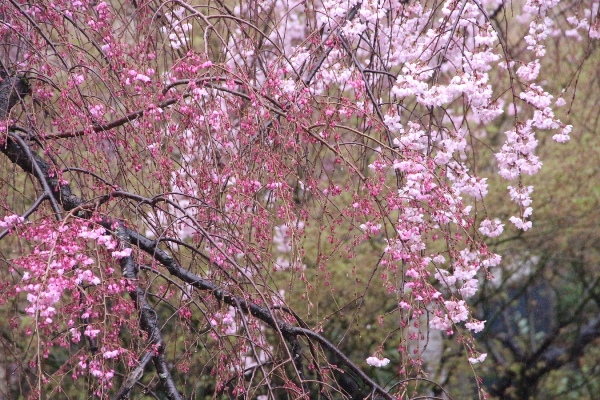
148,317
110,125
133,377
37,171
552,359
12,89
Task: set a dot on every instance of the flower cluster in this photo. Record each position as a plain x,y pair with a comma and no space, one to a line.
177,31
60,263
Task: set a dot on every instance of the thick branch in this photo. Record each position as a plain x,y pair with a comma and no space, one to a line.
30,162
37,171
134,376
12,89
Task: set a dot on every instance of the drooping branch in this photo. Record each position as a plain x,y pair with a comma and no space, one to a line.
40,175
226,158
108,126
30,162
264,314
21,155
148,318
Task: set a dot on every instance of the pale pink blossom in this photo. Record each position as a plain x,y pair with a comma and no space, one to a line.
520,223
529,72
404,305
378,362
143,78
457,310
78,79
469,288
536,96
478,359
439,259
564,135
10,221
491,228
91,332
126,252
595,31
475,326
110,353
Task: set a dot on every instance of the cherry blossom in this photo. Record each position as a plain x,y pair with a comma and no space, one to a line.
377,362
478,359
491,228
201,159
